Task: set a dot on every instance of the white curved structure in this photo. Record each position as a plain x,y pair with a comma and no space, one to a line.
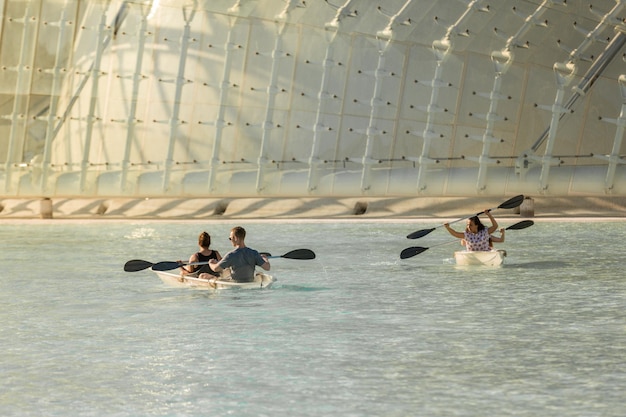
268,98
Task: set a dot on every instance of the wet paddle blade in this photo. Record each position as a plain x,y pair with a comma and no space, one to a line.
521,225
419,233
165,266
412,251
137,265
512,202
302,254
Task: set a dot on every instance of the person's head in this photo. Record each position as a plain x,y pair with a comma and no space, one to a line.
475,225
237,235
204,240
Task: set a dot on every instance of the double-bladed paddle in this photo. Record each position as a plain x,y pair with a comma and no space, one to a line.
416,250
508,204
302,254
137,265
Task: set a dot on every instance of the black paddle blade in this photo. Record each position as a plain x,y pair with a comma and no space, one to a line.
419,233
165,266
412,251
303,254
521,225
137,265
512,202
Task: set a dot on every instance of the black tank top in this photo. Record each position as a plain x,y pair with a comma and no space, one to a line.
206,268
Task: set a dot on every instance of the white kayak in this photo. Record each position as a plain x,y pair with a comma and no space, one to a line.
261,280
486,258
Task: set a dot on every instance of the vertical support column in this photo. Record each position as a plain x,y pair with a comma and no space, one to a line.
23,85
132,113
332,29
272,90
54,99
564,74
328,64
220,123
614,158
441,49
175,121
502,61
373,132
91,118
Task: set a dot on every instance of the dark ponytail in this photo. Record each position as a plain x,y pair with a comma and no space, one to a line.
204,240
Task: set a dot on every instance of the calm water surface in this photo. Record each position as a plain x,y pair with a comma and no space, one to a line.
356,332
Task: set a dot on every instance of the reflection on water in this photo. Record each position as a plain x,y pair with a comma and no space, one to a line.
539,265
288,287
357,331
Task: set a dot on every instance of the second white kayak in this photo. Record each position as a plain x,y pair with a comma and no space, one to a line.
486,258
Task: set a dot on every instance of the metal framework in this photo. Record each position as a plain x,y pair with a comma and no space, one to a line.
317,98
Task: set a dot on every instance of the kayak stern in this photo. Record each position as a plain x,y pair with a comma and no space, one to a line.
484,258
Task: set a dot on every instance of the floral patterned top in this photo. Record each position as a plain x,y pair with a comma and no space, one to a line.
477,241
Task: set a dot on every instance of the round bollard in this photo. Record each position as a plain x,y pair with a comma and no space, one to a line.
527,209
45,209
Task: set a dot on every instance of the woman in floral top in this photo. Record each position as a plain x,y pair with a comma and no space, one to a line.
476,235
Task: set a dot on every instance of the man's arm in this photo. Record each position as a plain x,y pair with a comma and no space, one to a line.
214,265
266,265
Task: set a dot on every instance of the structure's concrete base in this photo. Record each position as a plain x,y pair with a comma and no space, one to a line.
305,208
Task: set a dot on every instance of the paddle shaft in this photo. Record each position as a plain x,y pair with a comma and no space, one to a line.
206,262
268,256
302,254
510,203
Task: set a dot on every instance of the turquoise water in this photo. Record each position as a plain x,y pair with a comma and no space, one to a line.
355,332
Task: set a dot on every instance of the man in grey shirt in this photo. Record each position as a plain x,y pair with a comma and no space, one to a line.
242,260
